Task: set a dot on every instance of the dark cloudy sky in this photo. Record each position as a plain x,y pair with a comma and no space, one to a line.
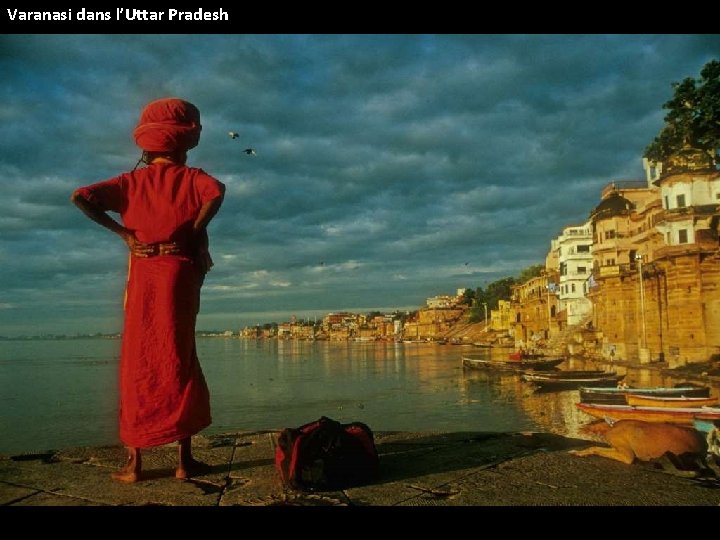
389,168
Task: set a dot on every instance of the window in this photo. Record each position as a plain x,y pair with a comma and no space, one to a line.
682,236
681,201
667,202
583,249
609,235
573,287
669,239
581,270
717,195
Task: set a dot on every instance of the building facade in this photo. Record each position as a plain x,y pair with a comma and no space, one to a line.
574,256
657,292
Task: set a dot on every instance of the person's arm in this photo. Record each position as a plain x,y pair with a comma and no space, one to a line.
101,217
207,212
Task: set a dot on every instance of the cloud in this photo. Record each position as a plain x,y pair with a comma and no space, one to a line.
384,162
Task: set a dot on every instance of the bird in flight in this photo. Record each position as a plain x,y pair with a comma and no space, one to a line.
249,151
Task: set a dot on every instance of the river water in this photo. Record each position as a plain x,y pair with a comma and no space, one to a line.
63,393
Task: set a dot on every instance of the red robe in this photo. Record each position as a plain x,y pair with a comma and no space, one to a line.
163,394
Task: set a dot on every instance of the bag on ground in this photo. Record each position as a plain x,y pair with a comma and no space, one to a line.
326,454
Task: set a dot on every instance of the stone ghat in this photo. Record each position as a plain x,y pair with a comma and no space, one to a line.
417,469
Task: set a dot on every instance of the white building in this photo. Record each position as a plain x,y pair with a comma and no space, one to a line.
574,255
690,202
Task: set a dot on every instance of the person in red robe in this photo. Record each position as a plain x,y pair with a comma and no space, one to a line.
165,209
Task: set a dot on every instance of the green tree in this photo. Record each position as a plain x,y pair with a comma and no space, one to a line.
693,116
495,291
530,272
468,297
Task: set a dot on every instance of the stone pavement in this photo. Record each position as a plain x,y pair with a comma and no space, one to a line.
417,469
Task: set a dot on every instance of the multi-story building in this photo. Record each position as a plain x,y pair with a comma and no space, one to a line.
621,224
657,293
534,310
574,258
681,274
431,323
501,317
334,321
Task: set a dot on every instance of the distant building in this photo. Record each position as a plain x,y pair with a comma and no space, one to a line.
574,257
534,309
431,323
441,302
501,317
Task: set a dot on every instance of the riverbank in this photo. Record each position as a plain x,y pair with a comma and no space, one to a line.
417,469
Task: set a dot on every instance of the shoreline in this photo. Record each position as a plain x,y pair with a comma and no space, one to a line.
417,469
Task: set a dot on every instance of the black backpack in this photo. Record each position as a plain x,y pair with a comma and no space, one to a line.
326,455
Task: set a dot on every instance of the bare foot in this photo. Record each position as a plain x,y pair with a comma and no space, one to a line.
190,468
129,477
131,472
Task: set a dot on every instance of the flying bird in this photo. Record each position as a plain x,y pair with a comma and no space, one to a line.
249,151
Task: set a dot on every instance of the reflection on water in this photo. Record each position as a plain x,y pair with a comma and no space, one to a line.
56,394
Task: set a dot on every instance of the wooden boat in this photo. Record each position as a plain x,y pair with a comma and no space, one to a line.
523,355
566,380
618,396
682,401
483,362
579,373
674,415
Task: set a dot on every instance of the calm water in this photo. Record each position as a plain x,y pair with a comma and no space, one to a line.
56,394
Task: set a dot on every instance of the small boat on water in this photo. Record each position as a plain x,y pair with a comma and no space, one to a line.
674,415
576,373
525,355
618,396
567,380
483,362
682,401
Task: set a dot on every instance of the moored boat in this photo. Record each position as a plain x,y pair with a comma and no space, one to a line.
618,396
567,380
522,355
658,401
674,415
483,362
579,373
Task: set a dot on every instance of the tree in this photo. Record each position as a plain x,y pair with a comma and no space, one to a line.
530,272
496,291
693,116
468,297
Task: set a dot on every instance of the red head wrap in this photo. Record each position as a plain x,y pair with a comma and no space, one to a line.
167,125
